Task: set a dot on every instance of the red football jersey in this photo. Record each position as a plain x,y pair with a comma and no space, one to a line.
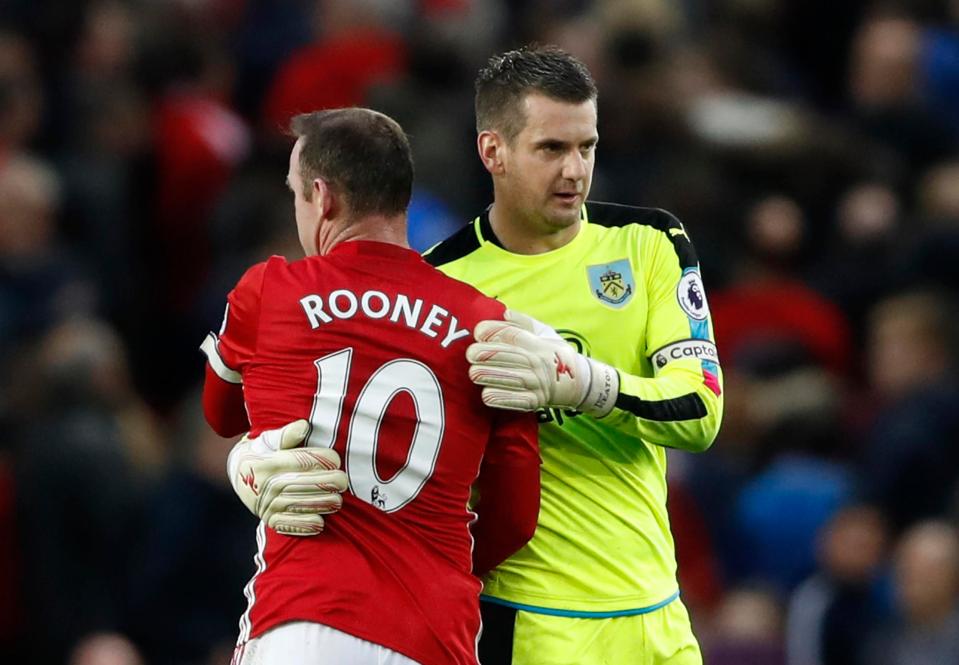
368,343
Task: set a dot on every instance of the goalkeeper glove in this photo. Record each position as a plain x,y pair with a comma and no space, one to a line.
288,486
525,365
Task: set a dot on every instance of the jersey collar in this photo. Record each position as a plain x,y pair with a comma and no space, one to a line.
371,248
486,229
486,234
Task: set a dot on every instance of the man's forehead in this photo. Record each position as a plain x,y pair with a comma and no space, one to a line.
559,119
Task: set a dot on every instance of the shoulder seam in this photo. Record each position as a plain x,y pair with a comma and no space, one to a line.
615,215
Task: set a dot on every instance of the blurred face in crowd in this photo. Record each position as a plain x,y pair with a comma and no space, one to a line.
105,649
927,572
939,192
905,346
885,60
21,95
29,194
542,175
853,544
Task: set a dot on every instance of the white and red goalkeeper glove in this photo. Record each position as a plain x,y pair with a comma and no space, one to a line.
288,486
524,365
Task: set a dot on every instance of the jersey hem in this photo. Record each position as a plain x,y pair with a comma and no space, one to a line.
581,614
421,658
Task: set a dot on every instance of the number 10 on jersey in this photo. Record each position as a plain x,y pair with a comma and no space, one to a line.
367,419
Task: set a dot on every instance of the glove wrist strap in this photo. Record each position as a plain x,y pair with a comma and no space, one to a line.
603,389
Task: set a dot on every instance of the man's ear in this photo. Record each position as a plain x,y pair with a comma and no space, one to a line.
492,151
325,197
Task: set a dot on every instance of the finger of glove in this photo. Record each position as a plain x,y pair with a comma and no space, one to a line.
497,354
507,334
524,321
291,435
497,331
293,524
298,459
306,503
534,326
314,483
511,400
502,377
259,472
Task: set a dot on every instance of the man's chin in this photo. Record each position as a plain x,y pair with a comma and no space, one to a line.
563,217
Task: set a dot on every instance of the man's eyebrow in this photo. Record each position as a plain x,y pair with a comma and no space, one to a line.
554,142
593,140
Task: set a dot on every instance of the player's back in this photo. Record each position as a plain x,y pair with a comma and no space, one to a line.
368,343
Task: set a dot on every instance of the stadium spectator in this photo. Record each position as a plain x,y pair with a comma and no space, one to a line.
356,47
106,649
766,310
747,628
885,88
862,260
21,93
198,537
39,282
908,451
926,578
834,612
933,255
81,474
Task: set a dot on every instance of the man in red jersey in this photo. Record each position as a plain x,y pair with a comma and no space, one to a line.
366,342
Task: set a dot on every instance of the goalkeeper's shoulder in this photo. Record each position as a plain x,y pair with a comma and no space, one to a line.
652,228
613,215
457,246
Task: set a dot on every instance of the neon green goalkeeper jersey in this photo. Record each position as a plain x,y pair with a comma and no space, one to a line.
627,291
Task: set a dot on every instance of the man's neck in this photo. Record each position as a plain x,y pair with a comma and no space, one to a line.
521,234
378,228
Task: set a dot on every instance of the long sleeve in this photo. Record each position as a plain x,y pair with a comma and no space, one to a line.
509,490
228,353
681,405
223,405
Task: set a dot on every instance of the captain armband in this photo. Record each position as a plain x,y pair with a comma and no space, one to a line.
687,349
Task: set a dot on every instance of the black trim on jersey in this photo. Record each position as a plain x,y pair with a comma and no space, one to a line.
614,214
687,407
496,642
455,247
486,229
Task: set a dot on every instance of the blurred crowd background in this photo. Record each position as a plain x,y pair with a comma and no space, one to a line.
811,147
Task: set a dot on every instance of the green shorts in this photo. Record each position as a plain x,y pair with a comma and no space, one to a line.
518,637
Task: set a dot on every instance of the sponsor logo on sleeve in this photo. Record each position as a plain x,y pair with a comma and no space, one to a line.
692,296
695,349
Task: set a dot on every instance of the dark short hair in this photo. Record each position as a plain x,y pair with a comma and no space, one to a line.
508,77
363,154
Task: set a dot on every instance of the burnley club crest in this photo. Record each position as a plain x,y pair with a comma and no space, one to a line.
612,283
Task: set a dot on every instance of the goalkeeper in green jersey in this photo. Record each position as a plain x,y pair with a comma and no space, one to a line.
637,373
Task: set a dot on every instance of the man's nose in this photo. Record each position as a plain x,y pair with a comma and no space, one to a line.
575,166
